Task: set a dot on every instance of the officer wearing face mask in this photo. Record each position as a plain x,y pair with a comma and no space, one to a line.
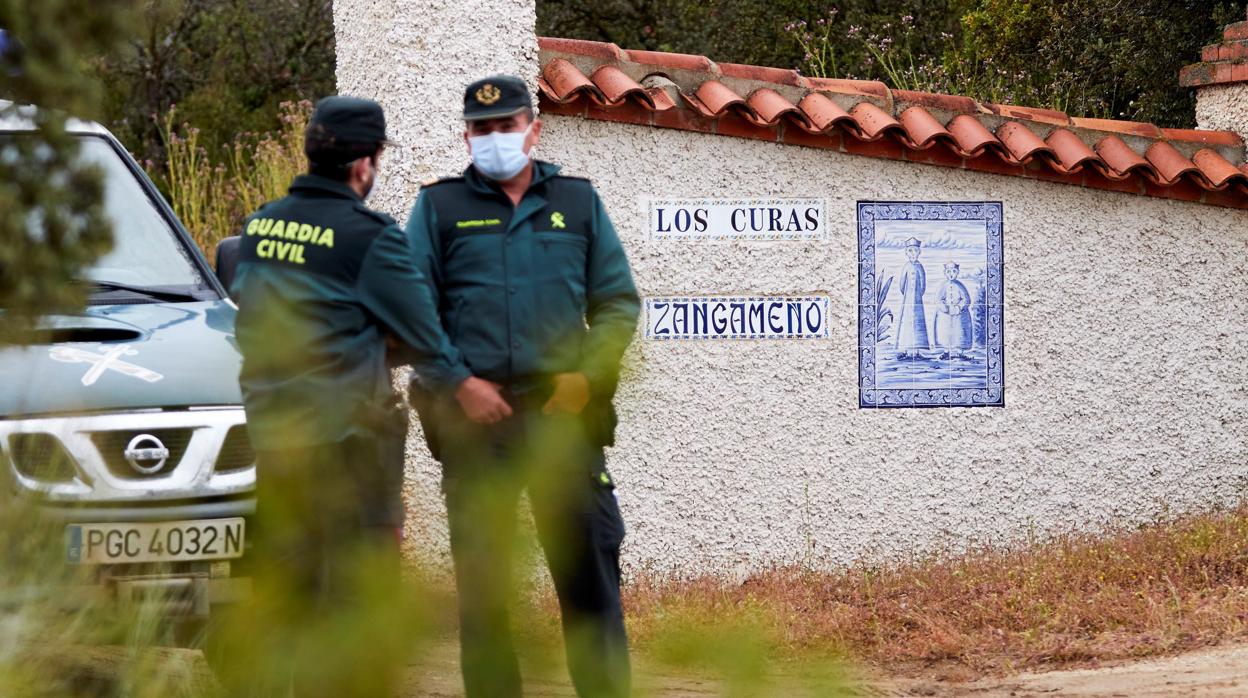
322,281
534,288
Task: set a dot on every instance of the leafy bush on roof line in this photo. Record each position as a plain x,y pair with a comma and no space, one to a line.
1085,57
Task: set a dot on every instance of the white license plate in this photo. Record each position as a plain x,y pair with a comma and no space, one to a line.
166,541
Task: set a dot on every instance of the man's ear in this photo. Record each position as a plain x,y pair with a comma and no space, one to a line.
535,135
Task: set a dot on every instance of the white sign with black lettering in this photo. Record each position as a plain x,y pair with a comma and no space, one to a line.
737,318
737,219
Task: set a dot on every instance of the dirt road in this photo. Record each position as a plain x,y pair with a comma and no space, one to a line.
1219,673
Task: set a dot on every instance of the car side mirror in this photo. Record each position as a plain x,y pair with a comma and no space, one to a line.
228,251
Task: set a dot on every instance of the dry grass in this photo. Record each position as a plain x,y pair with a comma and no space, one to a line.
1077,599
212,191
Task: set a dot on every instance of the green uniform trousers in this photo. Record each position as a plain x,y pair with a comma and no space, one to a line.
325,563
485,469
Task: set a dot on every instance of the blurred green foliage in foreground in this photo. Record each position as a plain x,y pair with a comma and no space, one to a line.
53,224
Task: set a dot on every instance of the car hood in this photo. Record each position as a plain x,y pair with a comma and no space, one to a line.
121,357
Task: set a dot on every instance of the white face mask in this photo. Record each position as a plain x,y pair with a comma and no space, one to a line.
500,156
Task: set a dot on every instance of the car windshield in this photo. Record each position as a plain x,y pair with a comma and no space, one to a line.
146,251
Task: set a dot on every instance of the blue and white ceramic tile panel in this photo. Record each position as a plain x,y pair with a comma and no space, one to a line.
930,304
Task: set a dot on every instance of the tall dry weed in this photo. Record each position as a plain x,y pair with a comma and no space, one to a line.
212,191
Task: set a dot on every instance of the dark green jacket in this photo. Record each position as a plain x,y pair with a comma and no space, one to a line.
321,280
532,290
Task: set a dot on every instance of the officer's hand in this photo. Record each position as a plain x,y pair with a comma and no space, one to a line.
571,394
482,401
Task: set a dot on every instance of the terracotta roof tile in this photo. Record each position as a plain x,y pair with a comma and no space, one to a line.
779,76
972,136
872,121
823,113
771,107
931,100
1169,162
922,129
562,82
1022,143
615,85
1070,150
865,117
864,88
1130,128
1217,170
1037,114
1119,157
679,61
714,98
1215,138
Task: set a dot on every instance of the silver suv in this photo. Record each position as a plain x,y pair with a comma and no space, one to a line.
127,427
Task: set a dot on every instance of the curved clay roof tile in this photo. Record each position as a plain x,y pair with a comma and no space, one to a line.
1216,169
1070,151
872,121
565,81
971,136
715,97
771,107
1022,143
1169,162
822,113
616,86
1119,159
922,129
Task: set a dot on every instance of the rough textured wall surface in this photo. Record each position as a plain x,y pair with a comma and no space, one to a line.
1125,319
1223,107
415,57
1124,326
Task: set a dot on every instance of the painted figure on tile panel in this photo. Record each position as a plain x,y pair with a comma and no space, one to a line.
952,332
911,320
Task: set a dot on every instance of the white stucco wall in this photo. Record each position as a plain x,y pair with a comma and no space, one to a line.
1125,323
416,57
1223,107
1124,316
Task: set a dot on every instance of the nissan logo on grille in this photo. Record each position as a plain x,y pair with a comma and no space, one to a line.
146,454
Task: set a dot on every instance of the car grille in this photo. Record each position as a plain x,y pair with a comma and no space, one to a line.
42,457
236,452
113,444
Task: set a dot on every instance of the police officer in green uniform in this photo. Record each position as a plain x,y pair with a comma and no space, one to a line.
534,288
322,282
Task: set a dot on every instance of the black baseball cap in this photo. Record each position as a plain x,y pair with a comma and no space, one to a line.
496,97
348,121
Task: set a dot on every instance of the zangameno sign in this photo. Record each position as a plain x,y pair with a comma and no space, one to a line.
737,219
737,318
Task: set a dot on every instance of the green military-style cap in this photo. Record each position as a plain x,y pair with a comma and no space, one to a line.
496,97
349,121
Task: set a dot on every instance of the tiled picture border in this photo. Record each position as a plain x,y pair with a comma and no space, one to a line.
991,212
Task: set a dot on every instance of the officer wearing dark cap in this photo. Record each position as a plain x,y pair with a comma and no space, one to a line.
534,289
322,281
